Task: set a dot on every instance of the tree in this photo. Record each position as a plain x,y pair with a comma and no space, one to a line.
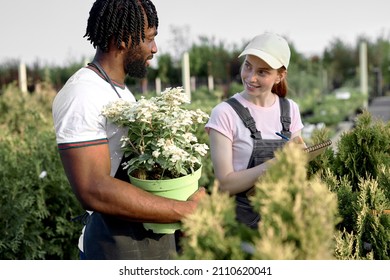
210,58
340,60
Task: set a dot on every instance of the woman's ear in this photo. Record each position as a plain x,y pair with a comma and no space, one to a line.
281,76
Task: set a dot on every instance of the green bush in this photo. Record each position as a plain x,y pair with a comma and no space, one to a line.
331,110
298,218
36,209
36,202
363,150
361,172
330,208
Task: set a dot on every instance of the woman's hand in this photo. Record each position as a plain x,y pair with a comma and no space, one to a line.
299,141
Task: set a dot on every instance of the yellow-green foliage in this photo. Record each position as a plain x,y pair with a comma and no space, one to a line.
369,235
212,232
298,215
298,218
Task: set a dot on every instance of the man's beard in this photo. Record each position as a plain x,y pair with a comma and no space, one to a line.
134,64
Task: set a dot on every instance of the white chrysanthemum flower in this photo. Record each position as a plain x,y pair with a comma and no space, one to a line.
189,137
156,153
159,132
160,142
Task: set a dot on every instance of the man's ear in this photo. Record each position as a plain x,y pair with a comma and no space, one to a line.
123,47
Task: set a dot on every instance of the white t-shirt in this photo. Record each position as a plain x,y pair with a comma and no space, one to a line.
78,121
225,120
77,114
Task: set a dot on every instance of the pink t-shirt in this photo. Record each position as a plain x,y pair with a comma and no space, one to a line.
225,120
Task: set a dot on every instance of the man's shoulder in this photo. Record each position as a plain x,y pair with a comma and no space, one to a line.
82,78
83,84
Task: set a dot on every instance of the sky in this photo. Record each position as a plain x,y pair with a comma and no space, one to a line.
51,31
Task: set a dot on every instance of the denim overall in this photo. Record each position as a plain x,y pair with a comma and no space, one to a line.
263,150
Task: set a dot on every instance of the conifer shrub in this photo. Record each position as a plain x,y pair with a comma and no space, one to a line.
358,172
299,214
334,207
298,218
213,232
36,201
364,150
360,176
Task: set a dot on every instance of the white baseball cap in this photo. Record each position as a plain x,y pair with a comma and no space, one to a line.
271,48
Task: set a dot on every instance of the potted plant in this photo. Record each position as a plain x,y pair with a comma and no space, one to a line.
164,154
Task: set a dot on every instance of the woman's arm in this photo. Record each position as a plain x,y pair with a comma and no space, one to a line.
222,158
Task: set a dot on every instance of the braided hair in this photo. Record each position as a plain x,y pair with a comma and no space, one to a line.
119,20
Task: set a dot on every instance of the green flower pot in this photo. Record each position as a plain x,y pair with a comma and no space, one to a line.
179,188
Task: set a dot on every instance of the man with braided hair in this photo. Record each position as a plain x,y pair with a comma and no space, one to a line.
123,34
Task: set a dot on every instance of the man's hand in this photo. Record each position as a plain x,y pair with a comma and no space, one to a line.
198,195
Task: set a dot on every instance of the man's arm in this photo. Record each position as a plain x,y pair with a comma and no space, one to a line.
88,171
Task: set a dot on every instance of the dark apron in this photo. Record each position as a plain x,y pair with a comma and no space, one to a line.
109,238
263,150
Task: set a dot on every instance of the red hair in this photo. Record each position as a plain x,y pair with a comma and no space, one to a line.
280,89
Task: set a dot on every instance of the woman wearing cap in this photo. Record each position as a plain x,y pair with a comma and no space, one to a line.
242,130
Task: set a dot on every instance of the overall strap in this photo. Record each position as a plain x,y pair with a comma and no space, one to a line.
97,66
285,118
245,116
